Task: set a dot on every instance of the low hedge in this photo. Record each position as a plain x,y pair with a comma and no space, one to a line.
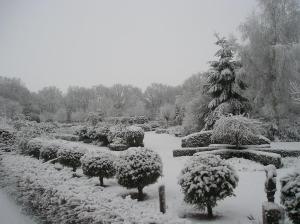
198,139
265,158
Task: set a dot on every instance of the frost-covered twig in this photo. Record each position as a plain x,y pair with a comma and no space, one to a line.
295,91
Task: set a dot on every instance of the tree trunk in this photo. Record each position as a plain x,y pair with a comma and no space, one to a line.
140,193
74,169
209,211
101,181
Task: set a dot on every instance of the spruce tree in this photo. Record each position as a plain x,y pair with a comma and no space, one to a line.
224,86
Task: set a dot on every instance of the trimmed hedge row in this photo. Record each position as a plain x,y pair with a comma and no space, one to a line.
257,156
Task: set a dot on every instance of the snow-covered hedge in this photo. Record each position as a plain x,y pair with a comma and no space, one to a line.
290,195
236,130
70,155
49,149
198,139
265,158
99,164
56,197
207,179
33,147
137,168
120,135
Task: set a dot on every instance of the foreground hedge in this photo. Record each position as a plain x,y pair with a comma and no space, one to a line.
55,197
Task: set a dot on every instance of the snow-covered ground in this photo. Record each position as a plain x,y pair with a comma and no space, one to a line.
247,203
10,213
249,194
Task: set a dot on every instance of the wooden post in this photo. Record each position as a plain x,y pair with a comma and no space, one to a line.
272,213
162,198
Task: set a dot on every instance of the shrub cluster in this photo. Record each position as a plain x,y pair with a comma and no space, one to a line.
70,155
33,147
206,179
198,139
290,196
137,168
99,164
7,136
49,150
235,130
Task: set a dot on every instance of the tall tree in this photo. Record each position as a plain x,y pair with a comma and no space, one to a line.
271,56
224,84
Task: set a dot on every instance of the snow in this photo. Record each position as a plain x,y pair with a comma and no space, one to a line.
10,213
249,193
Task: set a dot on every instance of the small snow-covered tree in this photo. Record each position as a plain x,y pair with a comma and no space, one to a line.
137,168
99,164
290,196
70,155
236,130
206,179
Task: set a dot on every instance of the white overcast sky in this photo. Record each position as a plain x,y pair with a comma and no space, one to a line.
90,42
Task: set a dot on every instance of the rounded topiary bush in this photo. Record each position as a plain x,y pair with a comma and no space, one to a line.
235,130
137,168
33,147
50,149
99,164
290,196
70,155
206,179
134,136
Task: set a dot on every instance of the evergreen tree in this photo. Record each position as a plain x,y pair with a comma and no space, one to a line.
224,84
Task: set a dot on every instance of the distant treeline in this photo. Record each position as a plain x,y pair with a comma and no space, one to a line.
268,75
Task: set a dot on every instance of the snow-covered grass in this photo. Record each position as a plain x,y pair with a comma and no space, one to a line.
107,203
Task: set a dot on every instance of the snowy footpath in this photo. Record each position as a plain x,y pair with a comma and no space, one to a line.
10,213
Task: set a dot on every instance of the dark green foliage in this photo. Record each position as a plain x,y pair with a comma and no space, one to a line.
224,86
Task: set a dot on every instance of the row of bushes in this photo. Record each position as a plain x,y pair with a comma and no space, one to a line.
135,168
117,137
127,120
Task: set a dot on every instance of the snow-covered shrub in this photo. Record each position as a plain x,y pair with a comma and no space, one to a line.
290,195
206,179
140,119
137,168
70,155
198,139
100,134
33,147
99,164
49,150
160,131
7,136
134,136
119,144
93,118
236,130
145,127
